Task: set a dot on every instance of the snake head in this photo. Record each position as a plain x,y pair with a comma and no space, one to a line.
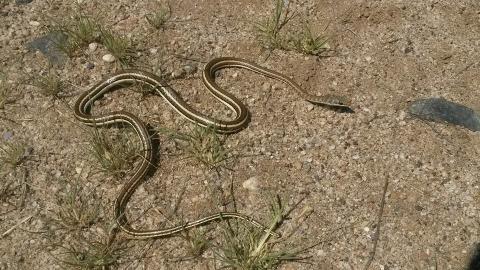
335,100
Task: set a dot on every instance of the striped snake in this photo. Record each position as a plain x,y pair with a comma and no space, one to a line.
128,77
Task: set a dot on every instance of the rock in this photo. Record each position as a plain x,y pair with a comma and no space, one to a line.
90,65
190,69
178,74
8,135
34,23
48,45
108,58
92,46
441,110
251,184
310,106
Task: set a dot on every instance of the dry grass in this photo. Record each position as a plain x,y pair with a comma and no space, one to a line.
115,153
119,46
82,30
271,32
49,84
89,251
78,208
201,144
13,173
5,92
245,248
160,16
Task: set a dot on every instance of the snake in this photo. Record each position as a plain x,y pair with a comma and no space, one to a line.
127,77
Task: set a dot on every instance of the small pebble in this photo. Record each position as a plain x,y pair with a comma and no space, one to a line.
190,69
8,135
108,58
178,74
34,23
89,65
92,46
266,86
153,50
251,184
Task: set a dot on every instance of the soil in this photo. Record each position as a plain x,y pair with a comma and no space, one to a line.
385,54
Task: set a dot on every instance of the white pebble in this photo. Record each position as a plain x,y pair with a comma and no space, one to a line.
251,184
108,58
34,23
92,46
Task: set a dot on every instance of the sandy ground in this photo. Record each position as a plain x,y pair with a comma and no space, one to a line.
387,54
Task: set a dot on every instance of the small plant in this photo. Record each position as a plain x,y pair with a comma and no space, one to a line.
115,154
80,31
159,17
270,33
202,144
13,154
197,242
49,84
268,30
308,43
5,92
85,252
78,208
118,46
13,181
249,249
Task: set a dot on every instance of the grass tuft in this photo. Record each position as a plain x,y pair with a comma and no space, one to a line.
95,252
271,36
13,154
5,92
245,248
202,144
268,30
160,17
49,84
116,153
13,182
309,43
78,208
119,46
197,242
80,31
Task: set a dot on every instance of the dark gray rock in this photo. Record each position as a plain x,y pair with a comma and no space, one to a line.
475,259
48,45
23,2
442,110
90,65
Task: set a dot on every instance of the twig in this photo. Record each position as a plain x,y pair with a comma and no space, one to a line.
376,236
7,232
